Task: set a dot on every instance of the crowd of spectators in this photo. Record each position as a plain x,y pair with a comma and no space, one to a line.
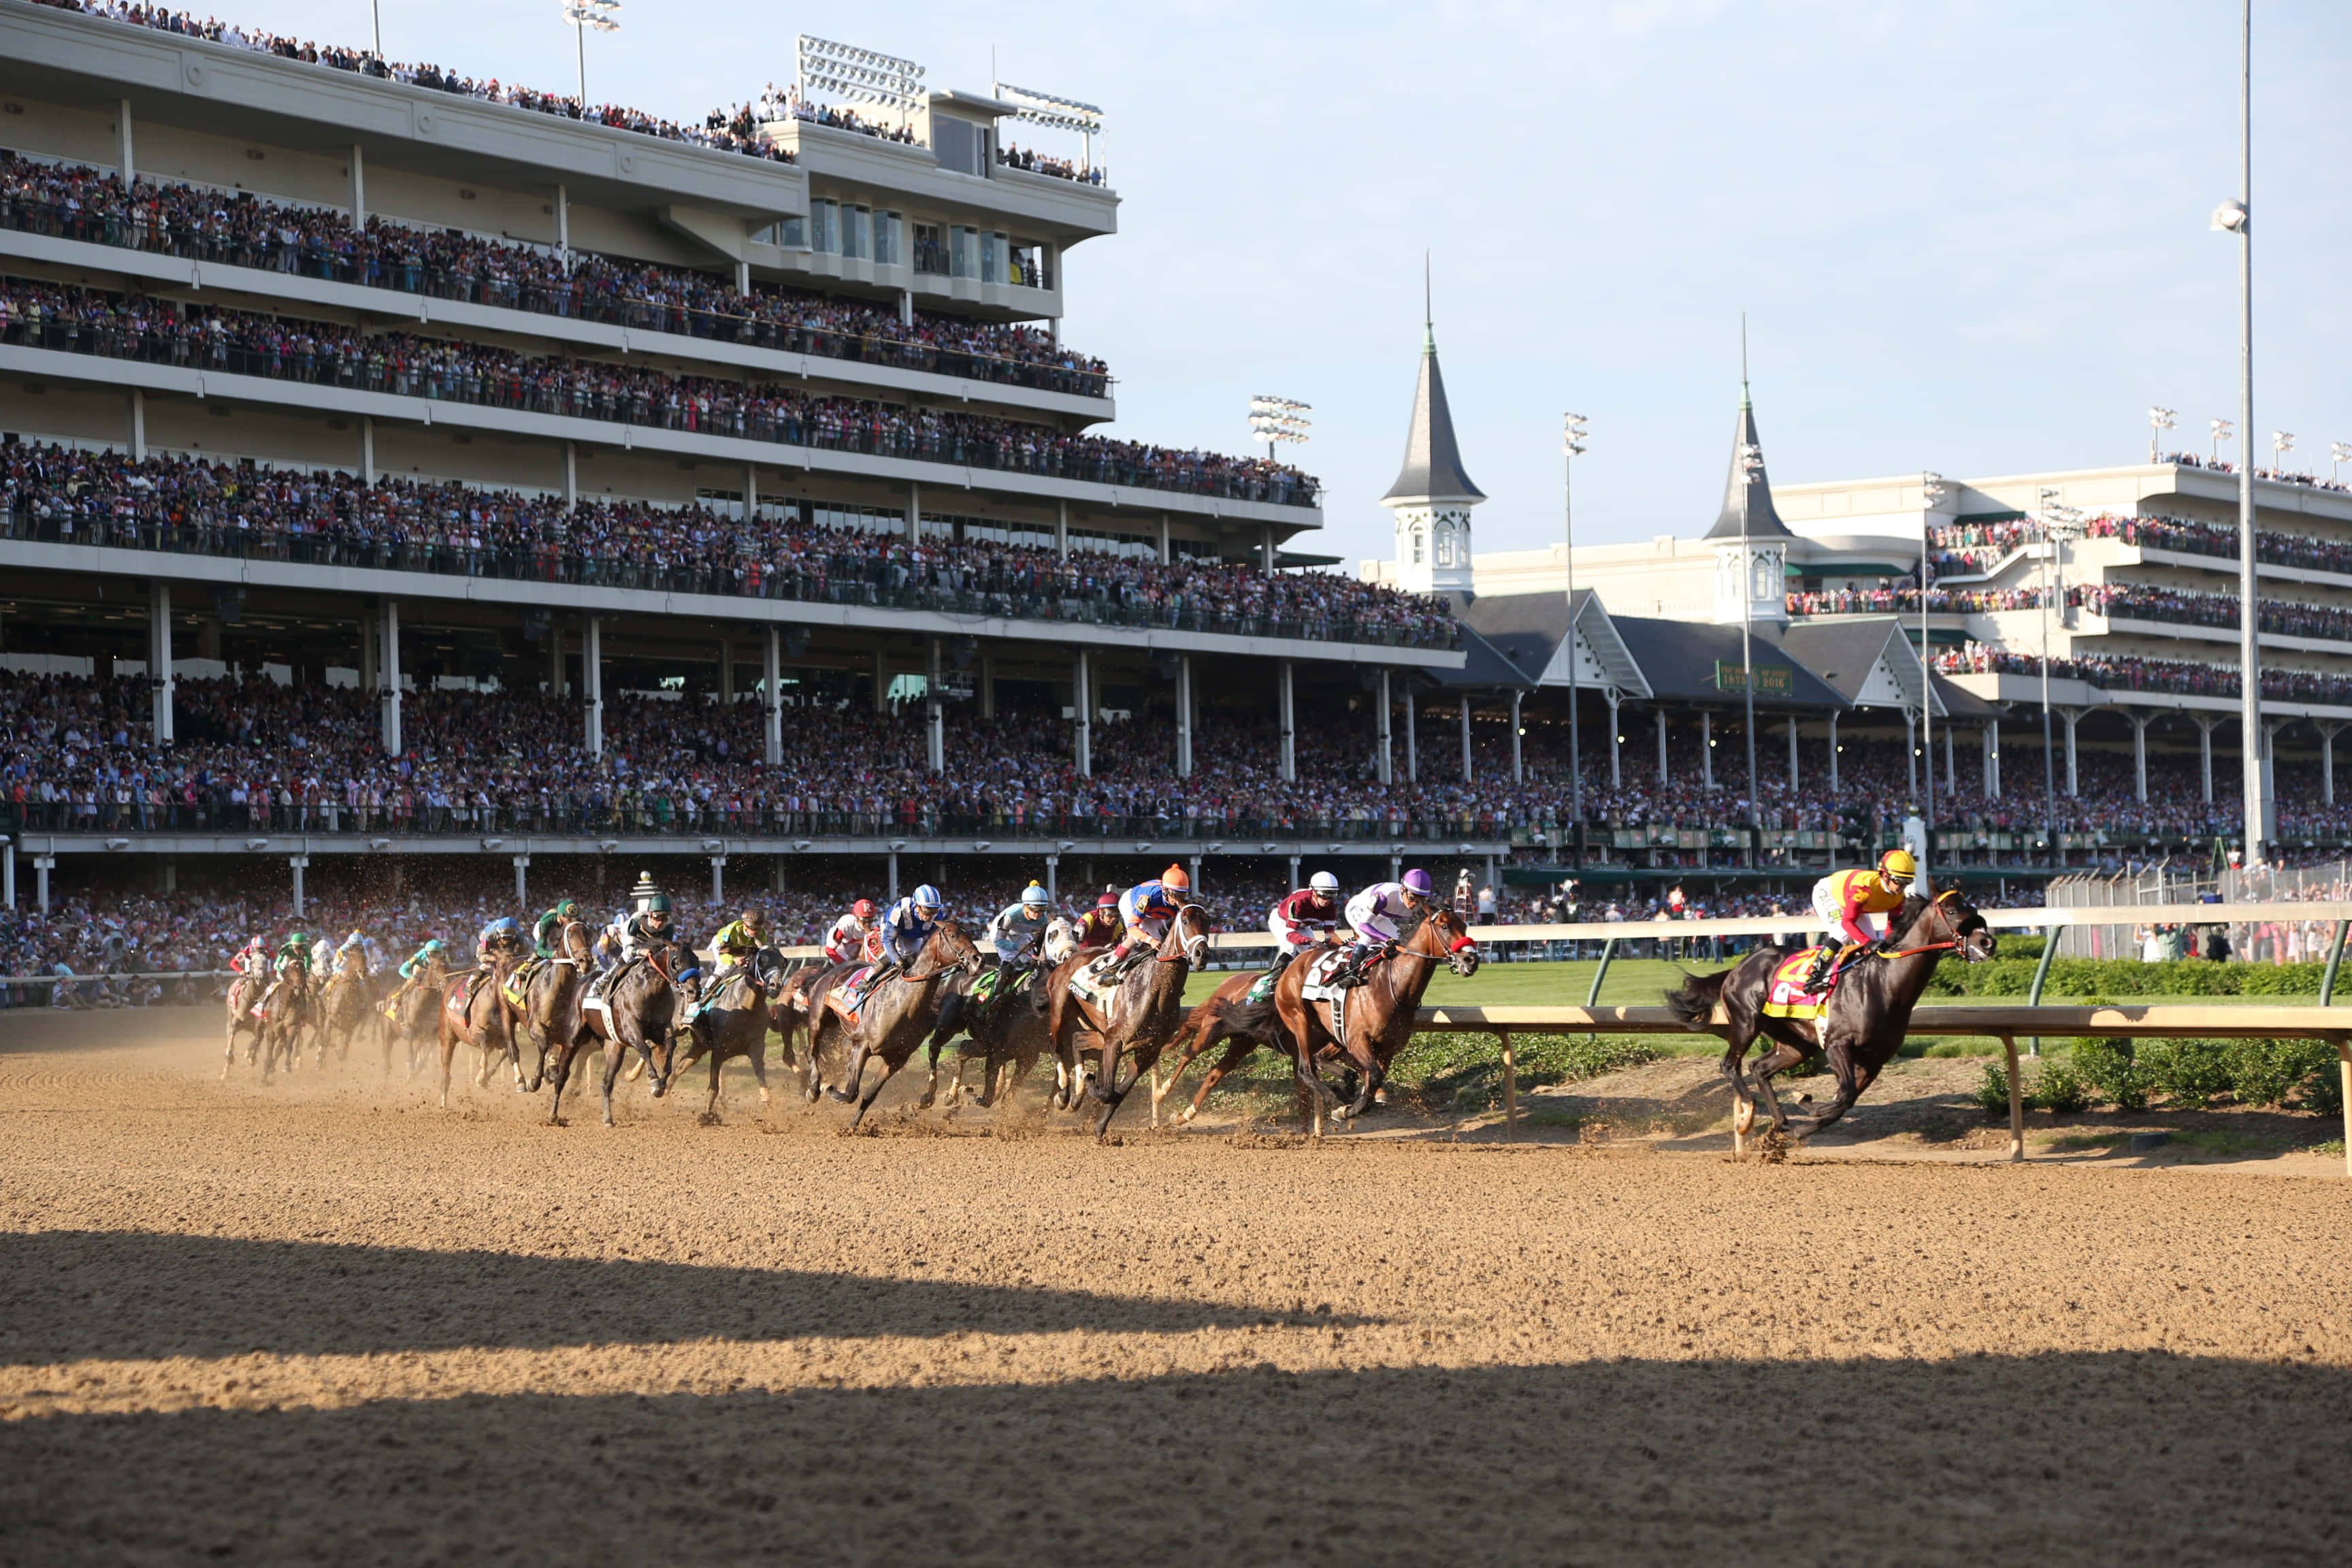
2136,601
194,506
718,136
2214,464
792,104
1035,163
239,229
1971,548
2118,672
201,337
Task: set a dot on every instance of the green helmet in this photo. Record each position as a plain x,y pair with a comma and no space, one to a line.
658,904
298,940
567,909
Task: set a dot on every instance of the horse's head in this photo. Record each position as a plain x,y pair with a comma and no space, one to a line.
952,947
1951,918
1187,938
1442,935
571,941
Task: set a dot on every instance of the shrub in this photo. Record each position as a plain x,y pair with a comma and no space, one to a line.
2263,1073
2009,975
1992,1091
2323,1086
2108,1072
2058,1088
2191,1074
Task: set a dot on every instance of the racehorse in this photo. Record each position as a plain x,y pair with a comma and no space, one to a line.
1861,1027
789,1015
412,1016
1203,1028
344,1007
244,991
1142,1018
636,1015
733,1021
893,1018
290,1011
1378,1014
551,989
1006,1034
473,1011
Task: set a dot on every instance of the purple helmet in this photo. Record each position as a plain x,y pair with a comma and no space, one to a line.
1418,881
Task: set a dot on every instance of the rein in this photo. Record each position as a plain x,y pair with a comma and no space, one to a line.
1951,945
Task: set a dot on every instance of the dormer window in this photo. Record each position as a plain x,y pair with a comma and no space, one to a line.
1420,546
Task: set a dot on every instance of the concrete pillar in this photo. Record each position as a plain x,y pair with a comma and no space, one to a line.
775,875
935,743
1294,873
297,864
570,476
771,695
522,881
371,670
743,278
1184,716
2071,717
906,307
1706,749
388,663
2205,723
1411,736
727,671
881,681
555,682
124,164
1265,546
914,513
367,449
1518,772
1465,737
1793,756
2326,728
1192,862
7,873
358,203
1396,867
1286,700
1082,711
1616,740
1992,733
1388,718
42,866
1062,528
1053,878
988,684
750,492
718,880
1834,754
1662,745
592,682
135,434
893,876
1951,766
160,680
1164,546
563,224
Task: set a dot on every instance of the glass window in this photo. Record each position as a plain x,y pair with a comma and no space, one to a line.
825,227
1763,589
1123,544
792,233
888,247
966,259
1419,545
931,248
989,530
1028,265
992,252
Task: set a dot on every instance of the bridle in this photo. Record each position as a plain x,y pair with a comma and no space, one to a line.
1192,949
1955,943
970,960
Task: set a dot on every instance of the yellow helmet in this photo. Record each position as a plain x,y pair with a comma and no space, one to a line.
1899,865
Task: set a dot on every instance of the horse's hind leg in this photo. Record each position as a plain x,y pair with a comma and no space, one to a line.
1237,1053
869,1098
1779,1058
709,1117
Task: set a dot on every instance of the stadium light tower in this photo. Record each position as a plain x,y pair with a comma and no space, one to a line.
2338,454
2222,431
1571,447
1054,113
2282,443
2159,420
584,14
2235,218
853,75
1273,419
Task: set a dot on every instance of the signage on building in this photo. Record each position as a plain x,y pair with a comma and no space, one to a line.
1771,679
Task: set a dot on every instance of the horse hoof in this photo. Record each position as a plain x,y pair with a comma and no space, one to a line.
834,1094
708,1119
1743,1117
557,1121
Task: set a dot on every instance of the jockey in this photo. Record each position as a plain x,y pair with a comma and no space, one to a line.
1844,897
411,971
293,953
1099,926
1146,908
1018,931
846,943
359,943
1372,914
542,935
1305,917
632,936
252,958
904,931
737,940
503,931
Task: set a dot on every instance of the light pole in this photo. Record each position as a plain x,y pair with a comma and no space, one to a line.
2159,420
2282,443
2222,432
2234,216
1571,447
1751,464
1273,419
1932,491
375,15
2338,454
584,14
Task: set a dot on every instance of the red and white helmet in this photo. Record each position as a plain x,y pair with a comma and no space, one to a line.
863,908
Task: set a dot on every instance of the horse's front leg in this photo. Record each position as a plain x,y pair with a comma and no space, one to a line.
709,1117
1852,1080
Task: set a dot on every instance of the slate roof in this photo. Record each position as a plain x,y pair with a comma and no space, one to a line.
1433,462
1678,658
1527,629
1744,494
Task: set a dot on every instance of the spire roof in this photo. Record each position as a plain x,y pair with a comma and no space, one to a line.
1433,462
1747,497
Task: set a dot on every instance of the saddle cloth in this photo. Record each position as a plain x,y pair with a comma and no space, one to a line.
1261,988
1785,996
517,985
1314,984
848,998
1094,981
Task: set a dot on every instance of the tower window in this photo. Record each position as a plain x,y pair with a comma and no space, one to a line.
1419,544
1763,585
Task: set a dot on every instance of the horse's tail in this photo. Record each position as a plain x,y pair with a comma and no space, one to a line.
1254,1021
1694,1003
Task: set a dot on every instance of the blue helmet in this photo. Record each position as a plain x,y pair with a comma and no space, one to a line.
928,898
433,946
1034,896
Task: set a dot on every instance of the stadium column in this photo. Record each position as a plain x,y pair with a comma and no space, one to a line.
1164,543
2327,729
2205,723
750,490
592,682
1951,763
388,675
1082,706
914,513
1992,733
1193,861
718,880
743,278
1616,741
135,437
2071,717
1062,530
159,659
1265,536
881,680
935,735
367,449
1184,715
1706,749
1053,876
358,203
771,697
1793,756
1518,772
8,874
554,660
1286,705
727,671
124,165
1662,745
893,876
570,476
988,684
1466,737
1385,731
1411,737
1292,884
563,205
297,864
522,881
42,866
1834,754
1911,750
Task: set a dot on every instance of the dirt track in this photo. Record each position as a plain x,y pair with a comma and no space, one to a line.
326,1322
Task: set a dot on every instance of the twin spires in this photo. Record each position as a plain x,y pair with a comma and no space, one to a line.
1432,498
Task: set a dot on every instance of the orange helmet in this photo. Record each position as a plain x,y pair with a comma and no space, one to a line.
1174,878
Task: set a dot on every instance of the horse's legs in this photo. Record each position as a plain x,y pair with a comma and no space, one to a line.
1237,1052
616,1047
1779,1058
560,1071
1851,1080
868,1097
1734,1070
709,1117
449,1050
852,1075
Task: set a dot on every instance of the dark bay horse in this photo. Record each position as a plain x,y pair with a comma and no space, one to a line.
475,1014
1006,1034
733,1021
289,1014
412,1015
1378,1014
640,1007
893,1019
551,991
346,1008
1139,1020
1868,1012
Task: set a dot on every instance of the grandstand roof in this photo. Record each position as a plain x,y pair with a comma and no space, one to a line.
1747,496
1433,462
1529,631
1869,661
1681,660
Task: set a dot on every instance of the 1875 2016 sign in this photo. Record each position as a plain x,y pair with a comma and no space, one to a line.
1771,679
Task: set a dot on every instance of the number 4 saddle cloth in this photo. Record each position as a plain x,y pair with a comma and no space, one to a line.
1786,995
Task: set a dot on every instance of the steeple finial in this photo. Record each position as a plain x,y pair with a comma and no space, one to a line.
1428,311
1743,361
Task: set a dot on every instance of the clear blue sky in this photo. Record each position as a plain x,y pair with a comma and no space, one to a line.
1968,236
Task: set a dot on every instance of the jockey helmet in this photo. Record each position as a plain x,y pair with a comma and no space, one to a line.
1174,878
1323,882
863,908
1898,863
755,919
1034,896
658,904
355,935
1109,900
434,945
928,898
567,909
1417,883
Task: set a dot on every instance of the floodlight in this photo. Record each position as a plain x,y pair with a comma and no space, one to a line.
1572,433
2232,217
1273,419
868,75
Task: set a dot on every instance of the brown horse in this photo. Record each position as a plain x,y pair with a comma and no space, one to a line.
413,1015
637,1006
344,1007
1863,1024
551,990
789,1015
1142,1018
244,991
1203,1029
289,1012
894,1017
1379,1018
733,1021
473,1012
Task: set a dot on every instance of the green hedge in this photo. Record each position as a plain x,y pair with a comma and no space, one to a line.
2186,1075
1468,1067
2008,976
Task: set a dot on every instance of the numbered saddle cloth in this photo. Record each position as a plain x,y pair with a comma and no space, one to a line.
1316,986
1097,981
1787,997
517,985
849,997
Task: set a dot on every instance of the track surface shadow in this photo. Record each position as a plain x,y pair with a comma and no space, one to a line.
68,1295
2055,1459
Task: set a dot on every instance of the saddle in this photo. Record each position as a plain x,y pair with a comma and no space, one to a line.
848,998
1098,981
1323,981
